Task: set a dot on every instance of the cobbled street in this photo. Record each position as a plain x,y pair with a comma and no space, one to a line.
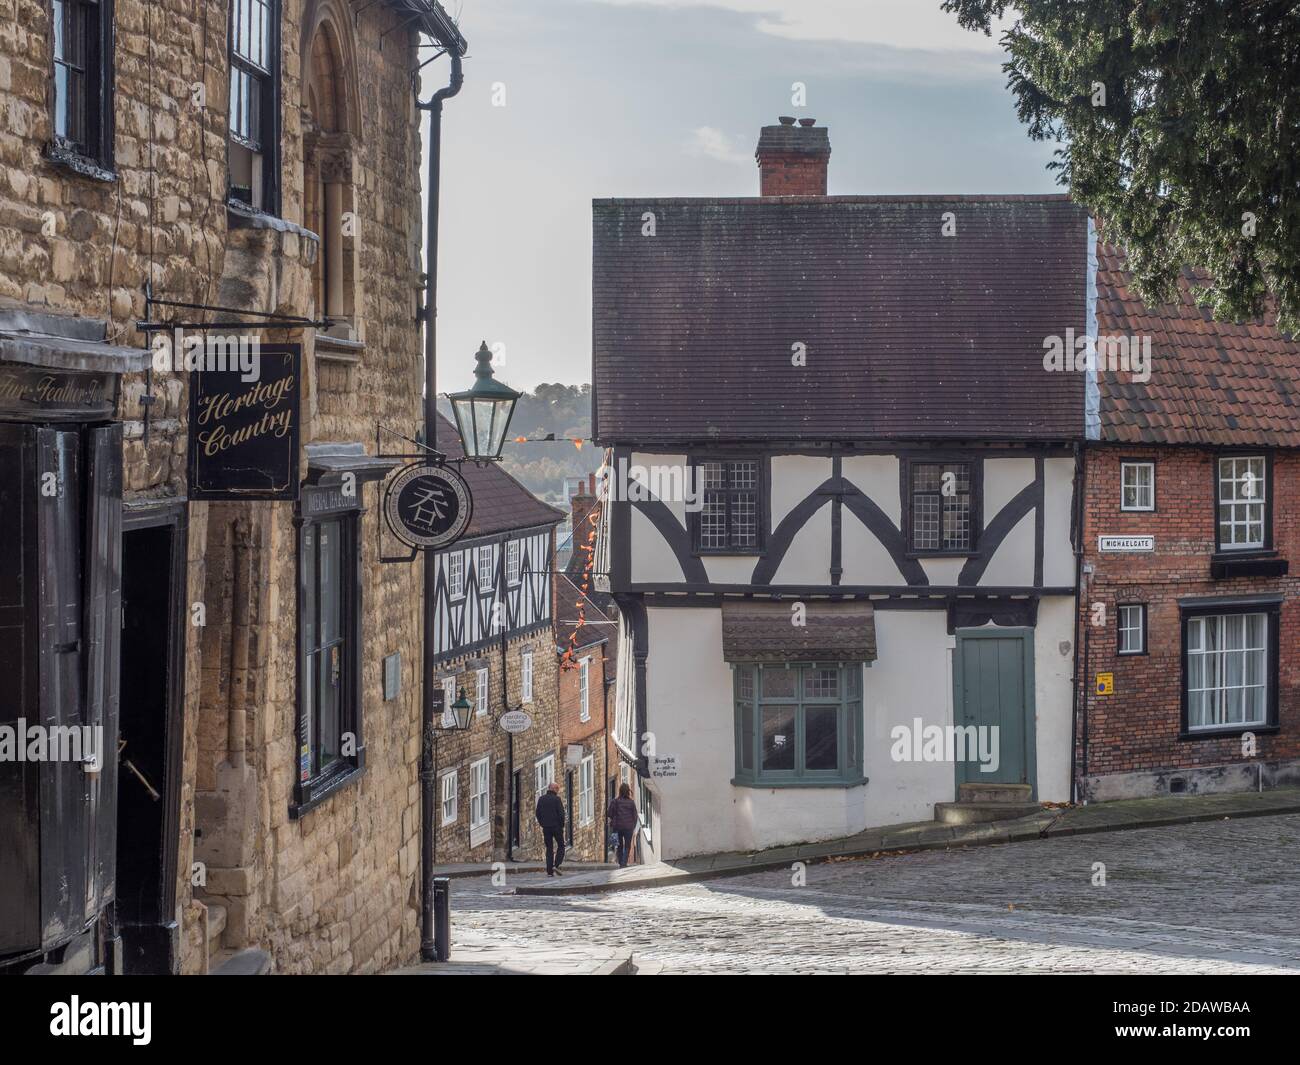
1219,897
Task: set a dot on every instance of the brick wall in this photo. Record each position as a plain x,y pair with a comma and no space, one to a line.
588,839
1136,730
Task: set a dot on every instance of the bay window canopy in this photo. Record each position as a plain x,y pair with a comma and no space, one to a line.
759,632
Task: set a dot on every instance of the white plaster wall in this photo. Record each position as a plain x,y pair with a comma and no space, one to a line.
1052,695
808,558
876,476
1012,564
942,571
1004,479
1058,494
863,557
793,477
911,678
652,560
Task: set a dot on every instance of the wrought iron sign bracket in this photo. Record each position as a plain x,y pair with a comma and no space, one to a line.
426,454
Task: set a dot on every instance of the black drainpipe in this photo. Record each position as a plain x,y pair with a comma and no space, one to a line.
428,771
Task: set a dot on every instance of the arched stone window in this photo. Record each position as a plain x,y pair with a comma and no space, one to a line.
330,164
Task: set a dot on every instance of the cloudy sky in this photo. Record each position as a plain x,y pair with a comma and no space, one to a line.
570,100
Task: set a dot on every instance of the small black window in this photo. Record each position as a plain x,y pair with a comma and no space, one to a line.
83,93
731,515
1132,628
254,146
942,507
328,705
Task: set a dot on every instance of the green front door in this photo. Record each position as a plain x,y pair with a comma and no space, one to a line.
993,681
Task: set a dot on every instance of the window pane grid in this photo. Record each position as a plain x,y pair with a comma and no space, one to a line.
941,506
729,514
801,725
1130,629
1137,482
1242,499
1227,657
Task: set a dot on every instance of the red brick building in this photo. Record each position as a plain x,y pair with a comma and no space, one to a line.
1189,619
586,645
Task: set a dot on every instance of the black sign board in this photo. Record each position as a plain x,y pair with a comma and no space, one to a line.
244,428
427,506
33,392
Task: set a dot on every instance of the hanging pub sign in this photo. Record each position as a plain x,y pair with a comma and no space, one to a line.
35,392
244,428
427,506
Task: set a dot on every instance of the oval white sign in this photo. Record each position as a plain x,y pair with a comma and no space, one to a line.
515,721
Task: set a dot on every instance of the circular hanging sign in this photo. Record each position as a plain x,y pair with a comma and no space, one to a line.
428,506
515,721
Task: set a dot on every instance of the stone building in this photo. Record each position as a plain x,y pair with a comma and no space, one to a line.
496,645
201,164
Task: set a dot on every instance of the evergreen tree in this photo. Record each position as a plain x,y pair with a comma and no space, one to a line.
1179,125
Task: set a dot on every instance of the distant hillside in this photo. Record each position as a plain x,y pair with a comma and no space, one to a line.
562,410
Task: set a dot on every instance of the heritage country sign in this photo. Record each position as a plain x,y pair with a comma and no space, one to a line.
243,434
427,506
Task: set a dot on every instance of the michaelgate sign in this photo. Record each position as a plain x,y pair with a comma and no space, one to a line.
243,434
1111,545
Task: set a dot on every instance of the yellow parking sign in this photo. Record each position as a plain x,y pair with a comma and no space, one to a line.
1105,683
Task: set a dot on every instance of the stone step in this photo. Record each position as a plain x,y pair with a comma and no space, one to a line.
970,813
977,792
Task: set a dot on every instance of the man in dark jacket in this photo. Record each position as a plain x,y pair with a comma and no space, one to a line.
623,817
550,815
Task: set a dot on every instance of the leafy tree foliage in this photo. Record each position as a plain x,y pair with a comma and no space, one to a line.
1179,122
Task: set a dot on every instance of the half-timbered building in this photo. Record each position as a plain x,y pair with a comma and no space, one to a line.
496,644
841,491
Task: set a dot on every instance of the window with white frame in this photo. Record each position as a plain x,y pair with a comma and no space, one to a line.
1137,486
584,689
479,829
587,790
1242,491
1228,670
252,151
449,791
1132,628
481,691
543,774
526,677
455,575
448,697
512,561
485,569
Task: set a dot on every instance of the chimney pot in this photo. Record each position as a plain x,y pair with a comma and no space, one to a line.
806,122
786,120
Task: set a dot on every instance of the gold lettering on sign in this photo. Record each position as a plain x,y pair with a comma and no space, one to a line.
216,410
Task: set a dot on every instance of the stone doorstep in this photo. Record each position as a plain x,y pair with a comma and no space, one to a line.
929,835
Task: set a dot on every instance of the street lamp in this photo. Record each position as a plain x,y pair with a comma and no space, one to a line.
460,714
483,412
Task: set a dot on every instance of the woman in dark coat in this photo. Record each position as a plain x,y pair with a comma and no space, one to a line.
623,818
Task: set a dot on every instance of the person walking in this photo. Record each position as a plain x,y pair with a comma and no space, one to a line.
550,815
623,817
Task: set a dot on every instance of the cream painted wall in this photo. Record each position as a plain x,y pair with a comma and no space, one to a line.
863,557
1058,495
877,478
652,561
1003,481
808,559
1012,564
691,715
793,477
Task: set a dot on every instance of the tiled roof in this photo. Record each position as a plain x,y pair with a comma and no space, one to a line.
832,632
908,333
500,502
1211,382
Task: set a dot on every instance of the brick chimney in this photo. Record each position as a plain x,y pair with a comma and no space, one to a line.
583,502
792,159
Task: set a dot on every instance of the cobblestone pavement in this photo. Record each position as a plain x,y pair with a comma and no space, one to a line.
1218,897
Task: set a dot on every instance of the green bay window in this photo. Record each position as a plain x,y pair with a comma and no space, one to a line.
798,724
